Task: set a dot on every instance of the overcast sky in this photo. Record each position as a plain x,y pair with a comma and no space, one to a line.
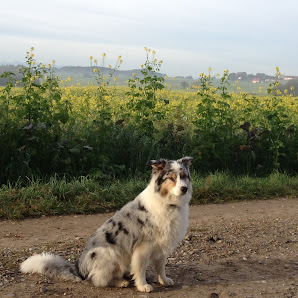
188,35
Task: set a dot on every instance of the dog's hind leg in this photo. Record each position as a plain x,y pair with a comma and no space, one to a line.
159,263
108,276
103,268
139,263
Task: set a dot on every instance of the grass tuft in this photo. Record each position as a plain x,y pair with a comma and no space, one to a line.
86,195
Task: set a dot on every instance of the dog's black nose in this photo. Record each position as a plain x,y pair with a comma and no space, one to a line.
183,189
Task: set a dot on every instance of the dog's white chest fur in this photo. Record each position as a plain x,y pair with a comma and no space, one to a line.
169,217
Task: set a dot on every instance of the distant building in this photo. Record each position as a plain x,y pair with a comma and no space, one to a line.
289,78
255,80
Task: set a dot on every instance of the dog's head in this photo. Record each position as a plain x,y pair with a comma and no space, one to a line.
172,177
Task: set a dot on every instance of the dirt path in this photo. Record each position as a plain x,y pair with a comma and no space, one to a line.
243,249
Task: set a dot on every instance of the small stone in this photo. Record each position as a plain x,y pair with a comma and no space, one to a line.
43,289
189,237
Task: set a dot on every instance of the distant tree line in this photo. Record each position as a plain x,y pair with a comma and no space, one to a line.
248,77
291,87
9,68
65,71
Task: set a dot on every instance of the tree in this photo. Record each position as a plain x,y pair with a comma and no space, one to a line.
291,87
184,84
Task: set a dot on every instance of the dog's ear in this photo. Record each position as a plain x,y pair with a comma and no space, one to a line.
186,161
157,165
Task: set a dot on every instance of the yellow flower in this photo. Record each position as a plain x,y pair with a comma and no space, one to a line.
110,66
166,77
292,88
31,49
277,69
91,58
104,54
115,79
134,74
95,61
53,62
119,57
209,69
174,78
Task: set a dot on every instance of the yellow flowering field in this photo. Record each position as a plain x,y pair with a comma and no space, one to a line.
108,131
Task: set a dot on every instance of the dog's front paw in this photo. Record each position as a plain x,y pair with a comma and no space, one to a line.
167,282
145,288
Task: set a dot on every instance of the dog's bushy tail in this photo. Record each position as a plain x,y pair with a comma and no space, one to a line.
50,265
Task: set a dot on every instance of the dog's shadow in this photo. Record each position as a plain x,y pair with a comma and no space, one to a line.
231,271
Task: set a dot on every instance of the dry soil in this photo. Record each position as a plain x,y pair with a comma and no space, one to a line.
239,249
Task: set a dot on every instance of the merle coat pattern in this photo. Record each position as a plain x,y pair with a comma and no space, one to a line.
144,231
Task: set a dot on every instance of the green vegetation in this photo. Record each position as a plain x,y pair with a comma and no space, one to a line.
99,135
82,195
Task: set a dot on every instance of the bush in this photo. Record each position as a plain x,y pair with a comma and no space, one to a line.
105,132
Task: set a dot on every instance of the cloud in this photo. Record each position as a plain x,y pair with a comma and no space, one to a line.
189,35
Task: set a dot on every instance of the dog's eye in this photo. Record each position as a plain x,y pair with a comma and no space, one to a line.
183,176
